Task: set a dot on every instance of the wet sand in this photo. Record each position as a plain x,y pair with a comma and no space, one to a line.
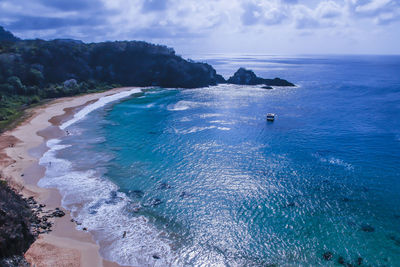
20,151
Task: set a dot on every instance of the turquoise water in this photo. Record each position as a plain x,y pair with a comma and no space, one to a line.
199,178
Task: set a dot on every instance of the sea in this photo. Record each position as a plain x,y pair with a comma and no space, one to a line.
198,177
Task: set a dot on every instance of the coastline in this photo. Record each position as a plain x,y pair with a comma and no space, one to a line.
20,151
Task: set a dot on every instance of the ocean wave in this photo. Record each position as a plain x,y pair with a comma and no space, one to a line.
210,115
184,105
223,122
98,206
98,104
199,129
335,161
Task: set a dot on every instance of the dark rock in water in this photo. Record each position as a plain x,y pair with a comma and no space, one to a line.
364,189
248,77
164,185
291,204
58,213
155,202
245,77
346,199
367,228
183,194
328,256
136,193
359,260
267,87
156,257
395,239
341,260
16,219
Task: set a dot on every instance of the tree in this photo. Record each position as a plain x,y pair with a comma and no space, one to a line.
17,84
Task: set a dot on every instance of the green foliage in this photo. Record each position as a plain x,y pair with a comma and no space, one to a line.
35,99
17,84
7,88
35,77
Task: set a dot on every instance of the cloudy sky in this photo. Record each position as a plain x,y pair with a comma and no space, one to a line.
216,26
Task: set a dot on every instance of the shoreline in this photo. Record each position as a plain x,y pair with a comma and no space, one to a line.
20,151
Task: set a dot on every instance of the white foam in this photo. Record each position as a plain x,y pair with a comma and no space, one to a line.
199,129
223,122
210,115
335,161
99,207
98,104
184,105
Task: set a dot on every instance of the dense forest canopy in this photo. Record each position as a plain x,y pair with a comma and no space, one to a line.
31,70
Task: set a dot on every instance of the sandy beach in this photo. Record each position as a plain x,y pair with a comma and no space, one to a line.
20,151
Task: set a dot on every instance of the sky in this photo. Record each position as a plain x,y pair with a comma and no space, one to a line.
216,26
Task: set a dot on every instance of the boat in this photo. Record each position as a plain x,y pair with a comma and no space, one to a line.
270,117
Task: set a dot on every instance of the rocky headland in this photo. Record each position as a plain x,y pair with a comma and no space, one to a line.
247,77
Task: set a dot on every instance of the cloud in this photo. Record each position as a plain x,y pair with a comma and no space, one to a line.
290,2
188,21
72,5
329,10
154,5
380,11
43,23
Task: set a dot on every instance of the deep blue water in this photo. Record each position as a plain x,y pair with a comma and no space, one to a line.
199,178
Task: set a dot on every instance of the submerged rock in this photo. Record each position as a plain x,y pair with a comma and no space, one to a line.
135,193
183,194
341,260
328,255
367,228
155,202
165,185
395,239
247,77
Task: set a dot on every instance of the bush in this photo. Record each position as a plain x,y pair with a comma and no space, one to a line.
35,99
17,84
7,88
35,77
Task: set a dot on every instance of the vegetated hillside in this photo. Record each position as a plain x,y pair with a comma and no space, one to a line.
31,70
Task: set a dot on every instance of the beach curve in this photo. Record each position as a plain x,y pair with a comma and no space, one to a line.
20,150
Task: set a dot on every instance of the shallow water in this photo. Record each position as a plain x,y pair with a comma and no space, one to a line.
199,178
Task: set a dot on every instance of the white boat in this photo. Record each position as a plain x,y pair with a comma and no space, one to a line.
270,117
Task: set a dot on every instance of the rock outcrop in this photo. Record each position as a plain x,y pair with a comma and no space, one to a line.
15,223
247,77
